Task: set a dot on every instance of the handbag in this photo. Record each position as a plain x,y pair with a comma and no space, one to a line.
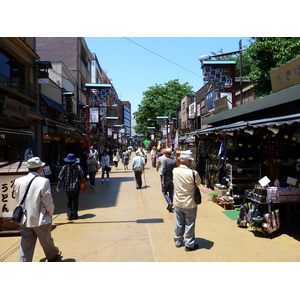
18,211
272,220
107,168
197,193
82,185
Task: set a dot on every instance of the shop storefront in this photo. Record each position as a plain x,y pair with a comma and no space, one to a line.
58,141
242,145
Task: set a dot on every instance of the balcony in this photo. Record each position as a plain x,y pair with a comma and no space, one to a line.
17,89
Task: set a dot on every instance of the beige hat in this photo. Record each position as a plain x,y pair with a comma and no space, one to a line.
186,155
35,162
168,150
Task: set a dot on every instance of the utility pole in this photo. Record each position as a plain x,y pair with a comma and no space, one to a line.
241,79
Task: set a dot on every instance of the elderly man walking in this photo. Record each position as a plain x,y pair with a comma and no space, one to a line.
38,210
185,205
138,168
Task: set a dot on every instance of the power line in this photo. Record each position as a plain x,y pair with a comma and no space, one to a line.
161,57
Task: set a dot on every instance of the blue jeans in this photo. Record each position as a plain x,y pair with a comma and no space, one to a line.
92,176
107,173
185,223
168,191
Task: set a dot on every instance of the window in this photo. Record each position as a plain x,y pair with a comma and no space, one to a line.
11,68
4,65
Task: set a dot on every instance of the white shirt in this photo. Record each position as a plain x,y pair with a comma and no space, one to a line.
184,186
160,164
138,161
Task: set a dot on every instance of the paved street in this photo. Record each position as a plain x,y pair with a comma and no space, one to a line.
118,223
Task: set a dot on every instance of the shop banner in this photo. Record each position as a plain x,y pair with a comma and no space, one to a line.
8,201
14,108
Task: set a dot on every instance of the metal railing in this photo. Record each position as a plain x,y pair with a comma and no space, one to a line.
14,86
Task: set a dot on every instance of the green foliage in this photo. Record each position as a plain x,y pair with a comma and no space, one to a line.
246,62
159,100
267,54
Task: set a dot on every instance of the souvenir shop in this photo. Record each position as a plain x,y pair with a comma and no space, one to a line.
255,163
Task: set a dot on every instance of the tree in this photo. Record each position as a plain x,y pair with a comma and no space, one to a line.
267,54
159,100
246,62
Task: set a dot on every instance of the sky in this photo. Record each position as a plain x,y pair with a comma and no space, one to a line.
134,64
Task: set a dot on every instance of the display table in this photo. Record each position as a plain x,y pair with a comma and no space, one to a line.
277,195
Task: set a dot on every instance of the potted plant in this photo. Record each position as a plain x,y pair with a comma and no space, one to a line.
213,196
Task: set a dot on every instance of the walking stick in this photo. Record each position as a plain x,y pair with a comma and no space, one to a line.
144,177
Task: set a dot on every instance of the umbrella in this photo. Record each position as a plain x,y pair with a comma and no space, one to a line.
147,143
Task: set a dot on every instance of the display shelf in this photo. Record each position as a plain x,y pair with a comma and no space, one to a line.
243,176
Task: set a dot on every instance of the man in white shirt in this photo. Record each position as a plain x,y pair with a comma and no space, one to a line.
160,161
138,168
185,206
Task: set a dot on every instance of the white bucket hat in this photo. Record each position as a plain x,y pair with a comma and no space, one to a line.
186,155
35,162
168,150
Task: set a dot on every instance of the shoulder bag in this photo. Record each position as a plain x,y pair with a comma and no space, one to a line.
272,219
18,211
197,193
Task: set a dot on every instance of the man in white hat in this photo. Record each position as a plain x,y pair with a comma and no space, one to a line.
138,167
185,207
38,210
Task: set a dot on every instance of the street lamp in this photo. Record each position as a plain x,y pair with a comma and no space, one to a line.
95,93
164,121
110,121
117,129
152,131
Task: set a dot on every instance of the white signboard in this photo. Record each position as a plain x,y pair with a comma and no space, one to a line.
8,200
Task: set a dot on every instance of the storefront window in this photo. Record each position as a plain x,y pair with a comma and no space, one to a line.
4,65
11,68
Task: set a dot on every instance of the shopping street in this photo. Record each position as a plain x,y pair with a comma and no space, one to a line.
119,223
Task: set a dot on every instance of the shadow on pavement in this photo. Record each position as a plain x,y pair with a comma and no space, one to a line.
103,195
203,243
60,260
141,221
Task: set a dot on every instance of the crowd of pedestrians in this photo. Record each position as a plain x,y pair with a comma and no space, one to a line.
177,187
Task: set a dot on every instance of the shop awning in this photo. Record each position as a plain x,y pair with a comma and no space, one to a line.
20,131
267,122
54,104
16,135
278,121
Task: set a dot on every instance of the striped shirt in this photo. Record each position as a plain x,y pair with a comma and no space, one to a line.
69,175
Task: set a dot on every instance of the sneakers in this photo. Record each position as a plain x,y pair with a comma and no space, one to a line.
178,244
192,249
102,180
106,179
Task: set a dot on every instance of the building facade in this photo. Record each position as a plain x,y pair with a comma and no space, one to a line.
20,119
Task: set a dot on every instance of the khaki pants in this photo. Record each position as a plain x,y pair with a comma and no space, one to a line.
29,236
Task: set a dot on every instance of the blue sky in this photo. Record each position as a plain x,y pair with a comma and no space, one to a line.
133,69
